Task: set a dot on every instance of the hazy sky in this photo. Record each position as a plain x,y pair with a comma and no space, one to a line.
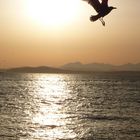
39,32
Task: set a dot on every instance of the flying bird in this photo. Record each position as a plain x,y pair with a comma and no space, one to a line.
101,8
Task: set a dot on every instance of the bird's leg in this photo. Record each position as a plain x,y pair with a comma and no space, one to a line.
103,22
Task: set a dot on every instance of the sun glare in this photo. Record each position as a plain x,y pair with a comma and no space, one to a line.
52,12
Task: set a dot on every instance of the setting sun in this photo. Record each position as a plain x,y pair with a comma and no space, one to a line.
52,13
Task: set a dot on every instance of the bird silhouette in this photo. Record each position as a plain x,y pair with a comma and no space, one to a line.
101,8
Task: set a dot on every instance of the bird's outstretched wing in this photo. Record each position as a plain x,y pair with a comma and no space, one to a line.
95,4
105,3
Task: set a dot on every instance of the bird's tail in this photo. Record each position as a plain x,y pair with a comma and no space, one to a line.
94,18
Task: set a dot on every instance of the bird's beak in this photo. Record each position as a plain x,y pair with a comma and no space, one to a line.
114,7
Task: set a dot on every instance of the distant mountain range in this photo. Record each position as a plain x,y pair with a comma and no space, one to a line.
41,69
77,67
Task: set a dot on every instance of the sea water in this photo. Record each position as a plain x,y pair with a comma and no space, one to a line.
96,106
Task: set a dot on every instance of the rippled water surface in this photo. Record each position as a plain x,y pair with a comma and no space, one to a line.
98,106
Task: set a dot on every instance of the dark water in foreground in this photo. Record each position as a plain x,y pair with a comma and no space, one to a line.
99,106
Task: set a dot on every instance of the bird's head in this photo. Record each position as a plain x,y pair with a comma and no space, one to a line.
111,8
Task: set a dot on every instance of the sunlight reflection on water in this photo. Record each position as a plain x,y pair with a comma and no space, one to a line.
50,116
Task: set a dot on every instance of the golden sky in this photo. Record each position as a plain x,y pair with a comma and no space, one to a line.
46,32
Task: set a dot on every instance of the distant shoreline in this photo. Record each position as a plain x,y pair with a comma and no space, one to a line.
62,71
76,67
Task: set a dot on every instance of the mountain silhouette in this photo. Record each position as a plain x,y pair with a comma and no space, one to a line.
77,66
41,69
